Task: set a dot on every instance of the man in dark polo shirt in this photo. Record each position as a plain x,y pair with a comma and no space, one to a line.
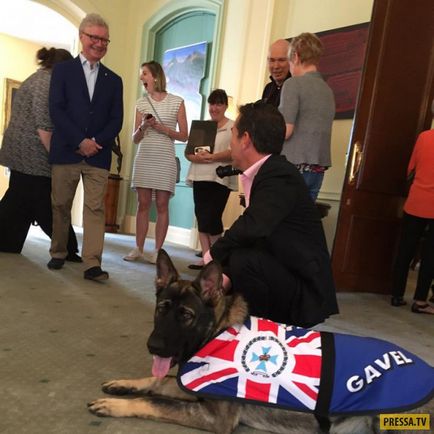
278,65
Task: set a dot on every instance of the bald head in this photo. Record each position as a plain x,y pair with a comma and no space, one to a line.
278,62
279,48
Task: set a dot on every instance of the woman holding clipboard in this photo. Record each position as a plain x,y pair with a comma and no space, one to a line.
210,193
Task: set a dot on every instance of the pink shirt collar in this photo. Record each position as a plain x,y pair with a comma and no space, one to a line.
248,176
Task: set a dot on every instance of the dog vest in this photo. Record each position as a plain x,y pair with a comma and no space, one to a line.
304,370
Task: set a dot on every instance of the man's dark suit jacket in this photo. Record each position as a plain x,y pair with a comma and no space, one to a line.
282,219
76,117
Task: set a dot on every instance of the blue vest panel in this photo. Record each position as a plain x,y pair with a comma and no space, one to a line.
305,370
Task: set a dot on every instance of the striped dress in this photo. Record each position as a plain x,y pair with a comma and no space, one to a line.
154,164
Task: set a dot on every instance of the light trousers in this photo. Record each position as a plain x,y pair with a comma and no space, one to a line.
64,181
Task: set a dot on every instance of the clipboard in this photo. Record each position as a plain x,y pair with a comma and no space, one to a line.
202,136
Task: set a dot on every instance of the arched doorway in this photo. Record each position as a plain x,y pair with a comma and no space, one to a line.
172,29
26,26
195,30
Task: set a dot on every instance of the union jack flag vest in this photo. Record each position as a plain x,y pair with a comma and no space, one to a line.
304,370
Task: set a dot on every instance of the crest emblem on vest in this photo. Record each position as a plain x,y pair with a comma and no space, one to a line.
264,356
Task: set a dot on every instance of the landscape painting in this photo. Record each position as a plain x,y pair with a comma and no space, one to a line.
185,68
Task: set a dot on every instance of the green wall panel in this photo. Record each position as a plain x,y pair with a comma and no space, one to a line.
187,29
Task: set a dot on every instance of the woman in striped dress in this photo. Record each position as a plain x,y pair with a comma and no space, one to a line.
158,114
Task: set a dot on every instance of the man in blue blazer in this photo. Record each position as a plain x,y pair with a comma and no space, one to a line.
87,110
275,253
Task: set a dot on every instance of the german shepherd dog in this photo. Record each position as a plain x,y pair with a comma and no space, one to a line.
187,315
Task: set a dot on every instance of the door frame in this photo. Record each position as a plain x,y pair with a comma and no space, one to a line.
382,139
151,27
176,9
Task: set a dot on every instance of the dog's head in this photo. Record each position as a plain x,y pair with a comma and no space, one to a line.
185,315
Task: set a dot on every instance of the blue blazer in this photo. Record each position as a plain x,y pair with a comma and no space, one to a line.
76,117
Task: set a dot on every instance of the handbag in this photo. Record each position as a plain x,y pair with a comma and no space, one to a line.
178,169
177,160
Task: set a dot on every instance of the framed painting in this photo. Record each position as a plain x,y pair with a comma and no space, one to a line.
342,63
184,68
10,88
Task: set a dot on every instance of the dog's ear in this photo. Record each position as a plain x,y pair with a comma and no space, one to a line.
166,271
210,281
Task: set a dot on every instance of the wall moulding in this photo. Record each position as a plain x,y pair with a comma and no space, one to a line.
10,87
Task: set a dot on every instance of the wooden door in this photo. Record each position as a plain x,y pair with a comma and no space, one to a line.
393,107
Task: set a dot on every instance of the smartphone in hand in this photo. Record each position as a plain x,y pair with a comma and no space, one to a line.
198,149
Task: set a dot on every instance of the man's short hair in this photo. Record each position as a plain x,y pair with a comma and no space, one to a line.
308,47
92,20
265,125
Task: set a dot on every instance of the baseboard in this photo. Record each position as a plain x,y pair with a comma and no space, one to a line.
175,235
179,236
329,196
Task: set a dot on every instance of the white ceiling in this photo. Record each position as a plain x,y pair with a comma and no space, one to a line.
32,21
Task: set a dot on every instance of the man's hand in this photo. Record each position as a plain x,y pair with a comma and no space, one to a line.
226,282
289,131
88,148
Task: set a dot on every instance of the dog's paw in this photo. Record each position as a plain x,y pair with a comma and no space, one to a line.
119,387
109,407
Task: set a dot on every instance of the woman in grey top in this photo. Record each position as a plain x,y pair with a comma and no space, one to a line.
24,151
308,106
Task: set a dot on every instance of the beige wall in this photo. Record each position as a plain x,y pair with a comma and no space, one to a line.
316,16
18,61
248,27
